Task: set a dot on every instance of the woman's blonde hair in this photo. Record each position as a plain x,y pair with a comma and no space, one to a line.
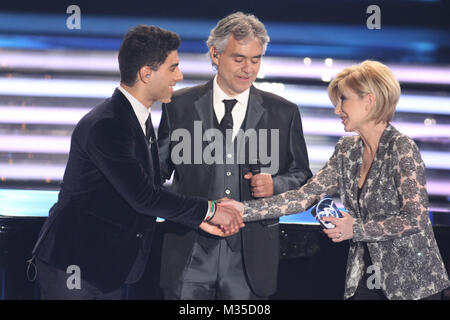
369,77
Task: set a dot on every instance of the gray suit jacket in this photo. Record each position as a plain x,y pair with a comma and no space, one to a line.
392,216
260,240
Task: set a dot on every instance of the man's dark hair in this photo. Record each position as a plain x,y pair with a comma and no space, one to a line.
144,46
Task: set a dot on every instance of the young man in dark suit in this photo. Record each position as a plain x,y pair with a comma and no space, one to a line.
244,266
104,220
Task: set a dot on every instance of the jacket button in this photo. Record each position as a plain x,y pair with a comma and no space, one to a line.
139,235
227,191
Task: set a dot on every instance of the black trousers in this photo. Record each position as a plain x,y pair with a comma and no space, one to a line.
53,286
216,274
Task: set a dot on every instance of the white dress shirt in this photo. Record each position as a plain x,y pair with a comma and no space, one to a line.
141,111
239,109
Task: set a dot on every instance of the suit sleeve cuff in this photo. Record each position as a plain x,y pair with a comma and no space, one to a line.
278,185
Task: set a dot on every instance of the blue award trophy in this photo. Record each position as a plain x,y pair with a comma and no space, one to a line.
326,208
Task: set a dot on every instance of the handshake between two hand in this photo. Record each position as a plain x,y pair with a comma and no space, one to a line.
227,220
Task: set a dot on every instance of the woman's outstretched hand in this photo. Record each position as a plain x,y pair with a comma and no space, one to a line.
232,204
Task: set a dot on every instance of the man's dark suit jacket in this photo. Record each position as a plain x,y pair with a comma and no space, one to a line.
260,239
108,202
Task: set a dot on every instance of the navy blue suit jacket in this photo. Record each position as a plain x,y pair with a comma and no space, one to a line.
108,202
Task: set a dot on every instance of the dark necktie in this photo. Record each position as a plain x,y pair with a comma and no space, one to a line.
149,131
227,120
153,146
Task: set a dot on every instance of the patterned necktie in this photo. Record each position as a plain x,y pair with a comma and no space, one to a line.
153,146
227,120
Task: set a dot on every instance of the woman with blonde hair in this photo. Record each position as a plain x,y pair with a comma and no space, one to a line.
380,177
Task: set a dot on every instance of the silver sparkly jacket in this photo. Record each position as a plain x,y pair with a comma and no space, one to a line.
392,218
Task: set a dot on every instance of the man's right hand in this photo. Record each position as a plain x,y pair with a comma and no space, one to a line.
228,218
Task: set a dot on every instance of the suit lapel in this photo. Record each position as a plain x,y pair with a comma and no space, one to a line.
353,177
123,106
255,109
378,161
205,112
204,107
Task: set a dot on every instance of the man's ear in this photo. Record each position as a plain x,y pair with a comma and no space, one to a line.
214,55
145,73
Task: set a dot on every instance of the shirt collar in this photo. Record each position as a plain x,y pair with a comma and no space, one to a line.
219,95
141,111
